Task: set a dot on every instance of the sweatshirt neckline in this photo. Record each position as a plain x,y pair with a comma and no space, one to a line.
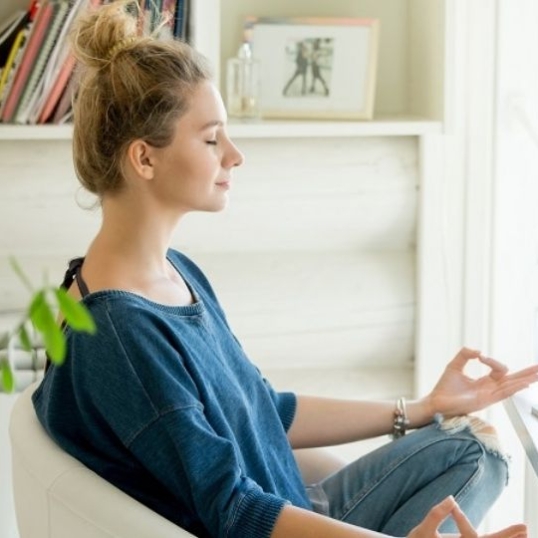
193,309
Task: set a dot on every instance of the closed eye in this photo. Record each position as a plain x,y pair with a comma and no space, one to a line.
211,142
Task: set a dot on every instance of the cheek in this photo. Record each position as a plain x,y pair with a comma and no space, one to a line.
191,168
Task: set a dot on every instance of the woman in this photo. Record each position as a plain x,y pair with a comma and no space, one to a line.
163,402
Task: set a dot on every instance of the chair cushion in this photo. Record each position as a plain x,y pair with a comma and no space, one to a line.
56,496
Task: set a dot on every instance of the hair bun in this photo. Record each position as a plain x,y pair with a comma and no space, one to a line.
100,34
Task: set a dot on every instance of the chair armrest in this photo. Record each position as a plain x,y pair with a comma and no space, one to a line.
317,463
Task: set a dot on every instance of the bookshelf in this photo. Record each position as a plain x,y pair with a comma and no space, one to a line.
411,60
410,107
411,47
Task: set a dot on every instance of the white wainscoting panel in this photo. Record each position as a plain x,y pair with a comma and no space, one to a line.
319,309
314,260
322,194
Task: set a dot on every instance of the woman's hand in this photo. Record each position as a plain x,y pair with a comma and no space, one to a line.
457,394
430,524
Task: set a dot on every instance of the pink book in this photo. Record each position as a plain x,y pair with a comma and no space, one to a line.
57,88
41,24
64,105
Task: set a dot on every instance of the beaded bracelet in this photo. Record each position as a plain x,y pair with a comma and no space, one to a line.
401,422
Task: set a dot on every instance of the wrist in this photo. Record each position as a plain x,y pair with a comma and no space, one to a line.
421,412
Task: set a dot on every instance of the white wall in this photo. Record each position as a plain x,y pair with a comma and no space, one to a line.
8,524
314,260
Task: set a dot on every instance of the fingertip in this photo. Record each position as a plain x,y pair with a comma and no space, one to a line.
462,522
449,502
494,364
471,351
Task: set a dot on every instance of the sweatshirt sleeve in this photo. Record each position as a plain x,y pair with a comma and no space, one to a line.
190,453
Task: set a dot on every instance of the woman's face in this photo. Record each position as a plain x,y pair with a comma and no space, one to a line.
194,172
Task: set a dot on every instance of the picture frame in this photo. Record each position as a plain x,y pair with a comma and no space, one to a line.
315,68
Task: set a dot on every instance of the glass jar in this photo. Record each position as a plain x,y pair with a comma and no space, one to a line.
243,84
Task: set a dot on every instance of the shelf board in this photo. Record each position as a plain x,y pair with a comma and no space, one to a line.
390,126
36,132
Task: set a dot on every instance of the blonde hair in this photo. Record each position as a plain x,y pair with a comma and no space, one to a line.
130,86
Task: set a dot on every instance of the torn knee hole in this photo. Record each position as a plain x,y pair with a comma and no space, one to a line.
482,430
474,424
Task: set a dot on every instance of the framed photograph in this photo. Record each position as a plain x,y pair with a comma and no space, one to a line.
312,68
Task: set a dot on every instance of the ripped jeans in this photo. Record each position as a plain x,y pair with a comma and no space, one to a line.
391,489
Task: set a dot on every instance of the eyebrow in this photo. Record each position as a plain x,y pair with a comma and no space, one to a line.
213,123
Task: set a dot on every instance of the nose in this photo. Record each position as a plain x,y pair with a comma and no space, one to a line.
235,157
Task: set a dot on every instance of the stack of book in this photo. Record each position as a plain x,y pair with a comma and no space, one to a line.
37,66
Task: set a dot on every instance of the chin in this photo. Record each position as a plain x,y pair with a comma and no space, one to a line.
217,207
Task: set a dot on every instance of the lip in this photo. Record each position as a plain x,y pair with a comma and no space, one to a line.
223,184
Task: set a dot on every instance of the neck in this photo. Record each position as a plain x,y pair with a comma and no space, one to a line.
134,234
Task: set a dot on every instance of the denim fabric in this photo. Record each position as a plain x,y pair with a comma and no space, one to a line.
391,489
163,403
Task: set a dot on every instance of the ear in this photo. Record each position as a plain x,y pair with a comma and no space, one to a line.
140,157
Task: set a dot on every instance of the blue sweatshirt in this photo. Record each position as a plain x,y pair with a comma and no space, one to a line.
163,402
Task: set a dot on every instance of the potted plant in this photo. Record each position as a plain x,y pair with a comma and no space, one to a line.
44,306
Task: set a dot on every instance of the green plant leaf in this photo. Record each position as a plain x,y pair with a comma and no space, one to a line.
41,315
21,274
8,381
76,314
4,340
39,311
25,338
54,340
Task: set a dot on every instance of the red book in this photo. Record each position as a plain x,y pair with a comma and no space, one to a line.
35,39
33,9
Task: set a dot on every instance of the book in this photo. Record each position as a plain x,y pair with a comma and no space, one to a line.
156,11
63,110
55,92
30,92
145,21
57,69
179,22
33,8
167,19
33,43
187,22
60,82
12,62
9,31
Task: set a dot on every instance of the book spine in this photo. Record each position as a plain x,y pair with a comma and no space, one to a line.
32,86
31,48
12,62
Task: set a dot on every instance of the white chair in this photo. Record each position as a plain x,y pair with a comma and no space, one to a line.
56,496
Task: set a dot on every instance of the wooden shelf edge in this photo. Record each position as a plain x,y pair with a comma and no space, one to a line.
35,132
262,129
324,128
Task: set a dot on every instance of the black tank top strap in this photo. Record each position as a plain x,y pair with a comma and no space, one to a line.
73,273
